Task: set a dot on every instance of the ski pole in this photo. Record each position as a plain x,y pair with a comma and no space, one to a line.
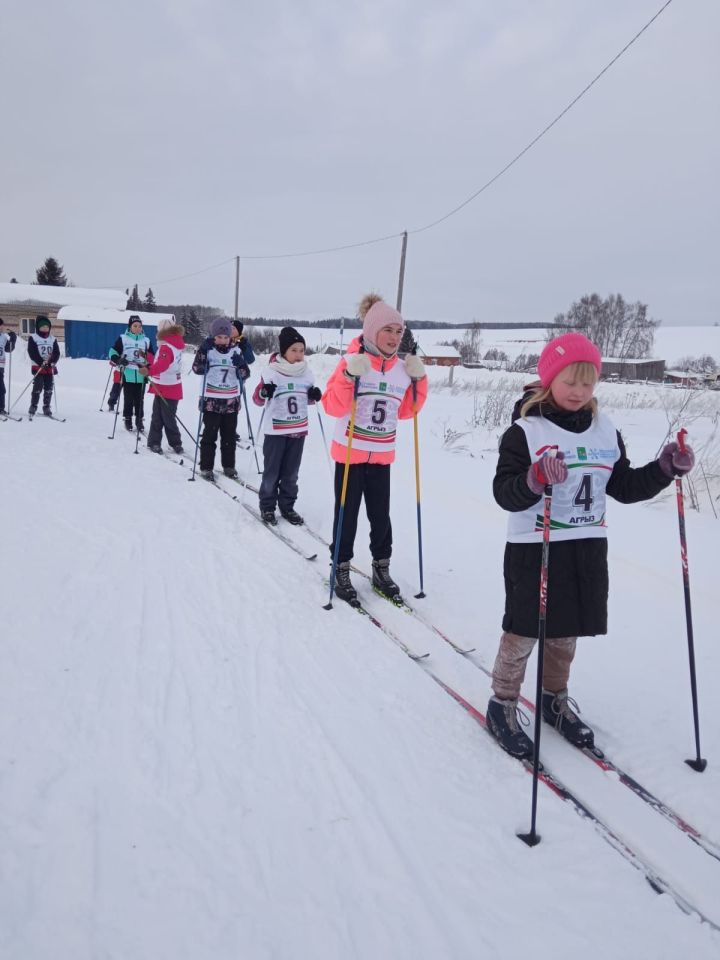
418,596
324,440
117,405
247,413
164,400
197,439
141,419
9,386
343,493
698,764
25,389
532,838
107,384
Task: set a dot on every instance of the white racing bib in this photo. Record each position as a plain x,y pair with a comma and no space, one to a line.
173,374
578,504
222,377
44,344
287,411
134,350
379,399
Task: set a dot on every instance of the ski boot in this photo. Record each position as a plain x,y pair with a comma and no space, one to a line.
155,448
557,710
502,722
344,589
111,406
292,517
33,410
268,516
178,449
140,424
208,475
382,581
128,425
231,472
47,412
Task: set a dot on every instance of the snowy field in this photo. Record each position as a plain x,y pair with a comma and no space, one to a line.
198,762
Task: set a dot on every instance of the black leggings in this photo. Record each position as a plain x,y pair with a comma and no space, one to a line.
372,481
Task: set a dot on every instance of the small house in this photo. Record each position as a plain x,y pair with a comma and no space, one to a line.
20,304
440,356
91,333
614,368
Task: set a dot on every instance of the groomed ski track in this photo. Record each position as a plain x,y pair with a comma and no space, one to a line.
193,769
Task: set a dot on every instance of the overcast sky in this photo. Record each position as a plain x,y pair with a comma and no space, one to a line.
147,140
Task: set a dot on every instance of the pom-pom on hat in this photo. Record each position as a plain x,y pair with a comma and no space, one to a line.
220,328
376,314
287,337
564,350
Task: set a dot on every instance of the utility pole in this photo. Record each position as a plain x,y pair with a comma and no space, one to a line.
401,279
237,285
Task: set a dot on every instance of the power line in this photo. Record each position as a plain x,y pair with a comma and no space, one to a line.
460,206
489,183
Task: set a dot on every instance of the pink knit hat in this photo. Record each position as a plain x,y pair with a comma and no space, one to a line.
378,316
564,350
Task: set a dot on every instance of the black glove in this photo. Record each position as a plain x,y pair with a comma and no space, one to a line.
267,390
120,361
238,360
314,393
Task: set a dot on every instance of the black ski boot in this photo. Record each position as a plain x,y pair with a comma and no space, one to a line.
382,581
178,449
292,517
128,425
230,472
208,475
557,710
155,447
140,424
344,590
33,410
111,406
268,516
47,412
502,722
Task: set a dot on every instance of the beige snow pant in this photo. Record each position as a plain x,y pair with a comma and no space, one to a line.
512,658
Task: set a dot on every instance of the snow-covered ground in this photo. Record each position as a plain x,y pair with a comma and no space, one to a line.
198,761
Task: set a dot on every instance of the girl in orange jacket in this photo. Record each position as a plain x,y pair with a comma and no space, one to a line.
388,390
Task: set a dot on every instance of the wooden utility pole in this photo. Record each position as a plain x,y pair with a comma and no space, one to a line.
237,285
401,279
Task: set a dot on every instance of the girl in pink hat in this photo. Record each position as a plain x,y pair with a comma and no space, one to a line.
559,437
385,395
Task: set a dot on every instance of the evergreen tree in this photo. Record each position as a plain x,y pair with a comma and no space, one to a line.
192,324
51,274
407,344
134,303
149,301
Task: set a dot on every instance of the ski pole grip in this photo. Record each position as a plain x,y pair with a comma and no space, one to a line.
681,439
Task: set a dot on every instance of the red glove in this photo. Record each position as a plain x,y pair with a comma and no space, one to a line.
547,470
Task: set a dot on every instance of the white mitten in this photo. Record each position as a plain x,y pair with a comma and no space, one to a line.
414,367
358,365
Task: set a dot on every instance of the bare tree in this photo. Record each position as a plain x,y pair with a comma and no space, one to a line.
619,329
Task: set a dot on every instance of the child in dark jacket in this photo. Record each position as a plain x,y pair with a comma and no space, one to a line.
7,345
388,390
44,351
559,438
287,386
222,367
165,373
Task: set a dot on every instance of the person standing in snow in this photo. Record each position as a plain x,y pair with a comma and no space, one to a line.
44,351
385,395
238,339
222,366
287,386
165,373
116,388
558,437
7,345
132,351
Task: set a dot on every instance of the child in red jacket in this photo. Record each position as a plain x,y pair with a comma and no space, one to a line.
165,374
388,390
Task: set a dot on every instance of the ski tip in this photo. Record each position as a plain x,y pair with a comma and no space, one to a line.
312,556
697,765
